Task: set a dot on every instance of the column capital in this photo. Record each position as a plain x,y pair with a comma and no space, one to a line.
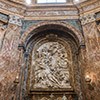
87,18
15,20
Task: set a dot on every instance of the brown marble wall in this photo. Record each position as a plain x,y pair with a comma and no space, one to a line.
92,41
9,61
10,58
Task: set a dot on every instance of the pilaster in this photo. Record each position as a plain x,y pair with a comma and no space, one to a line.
10,58
92,42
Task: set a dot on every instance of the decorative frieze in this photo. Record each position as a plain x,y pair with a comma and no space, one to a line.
15,20
50,13
87,18
11,8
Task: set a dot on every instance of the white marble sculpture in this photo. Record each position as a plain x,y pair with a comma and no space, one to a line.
51,66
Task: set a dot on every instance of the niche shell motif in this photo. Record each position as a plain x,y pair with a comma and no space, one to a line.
51,66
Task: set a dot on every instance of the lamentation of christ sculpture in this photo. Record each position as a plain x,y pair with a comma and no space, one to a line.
51,68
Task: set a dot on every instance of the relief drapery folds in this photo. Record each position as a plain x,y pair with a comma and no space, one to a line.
51,66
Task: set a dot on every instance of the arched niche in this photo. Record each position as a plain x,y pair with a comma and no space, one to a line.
33,29
51,64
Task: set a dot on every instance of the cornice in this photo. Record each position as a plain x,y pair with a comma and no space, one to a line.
16,2
87,3
51,8
55,12
37,12
34,4
51,18
11,8
90,6
13,3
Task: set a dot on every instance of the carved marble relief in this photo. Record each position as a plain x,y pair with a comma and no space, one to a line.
44,98
15,20
87,18
52,97
51,66
59,98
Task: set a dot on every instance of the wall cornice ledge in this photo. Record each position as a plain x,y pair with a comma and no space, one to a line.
92,6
